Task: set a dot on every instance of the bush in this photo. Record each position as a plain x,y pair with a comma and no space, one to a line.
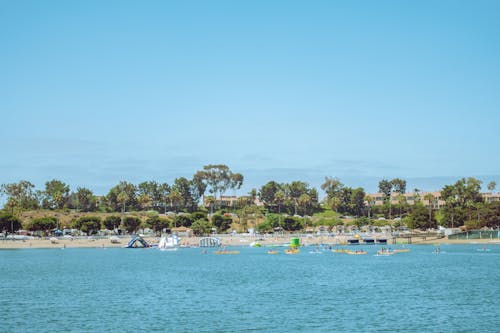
222,223
183,221
265,227
131,223
9,222
201,227
157,223
43,224
88,224
291,223
112,222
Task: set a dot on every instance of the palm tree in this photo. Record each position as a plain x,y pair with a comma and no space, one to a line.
368,200
430,198
304,201
175,197
210,200
492,185
122,197
279,197
416,198
144,200
401,201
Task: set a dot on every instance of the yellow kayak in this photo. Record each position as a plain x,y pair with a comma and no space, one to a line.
356,252
227,252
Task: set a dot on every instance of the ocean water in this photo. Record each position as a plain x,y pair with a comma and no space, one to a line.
147,290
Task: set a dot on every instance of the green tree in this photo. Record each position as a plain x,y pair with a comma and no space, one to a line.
492,185
55,195
131,223
219,178
294,190
88,224
9,223
21,195
186,199
157,223
201,227
291,223
430,200
358,201
85,200
112,222
418,218
361,221
222,223
385,187
210,201
144,201
154,192
460,200
122,196
264,227
304,201
44,224
267,193
175,199
399,185
183,220
164,190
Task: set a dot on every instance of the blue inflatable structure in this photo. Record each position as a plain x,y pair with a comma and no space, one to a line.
137,242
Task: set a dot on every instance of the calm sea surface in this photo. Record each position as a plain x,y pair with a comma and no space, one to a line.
147,290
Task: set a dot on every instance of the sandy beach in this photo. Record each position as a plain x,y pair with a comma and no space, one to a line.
194,241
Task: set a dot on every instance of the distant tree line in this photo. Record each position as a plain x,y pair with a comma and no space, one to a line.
284,203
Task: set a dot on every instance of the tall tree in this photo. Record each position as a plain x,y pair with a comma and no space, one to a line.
219,178
21,195
399,185
55,195
153,191
492,185
175,199
184,188
268,192
122,196
358,201
85,199
430,200
9,223
385,187
332,186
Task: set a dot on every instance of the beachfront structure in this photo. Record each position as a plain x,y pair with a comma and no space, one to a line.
491,197
229,201
377,199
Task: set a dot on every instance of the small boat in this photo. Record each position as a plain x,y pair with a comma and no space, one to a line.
385,252
401,250
292,251
272,252
483,250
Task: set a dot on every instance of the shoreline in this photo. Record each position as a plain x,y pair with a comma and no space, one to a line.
226,241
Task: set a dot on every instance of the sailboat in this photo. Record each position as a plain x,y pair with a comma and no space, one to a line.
169,243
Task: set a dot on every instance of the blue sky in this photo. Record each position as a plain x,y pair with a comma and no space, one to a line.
94,92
